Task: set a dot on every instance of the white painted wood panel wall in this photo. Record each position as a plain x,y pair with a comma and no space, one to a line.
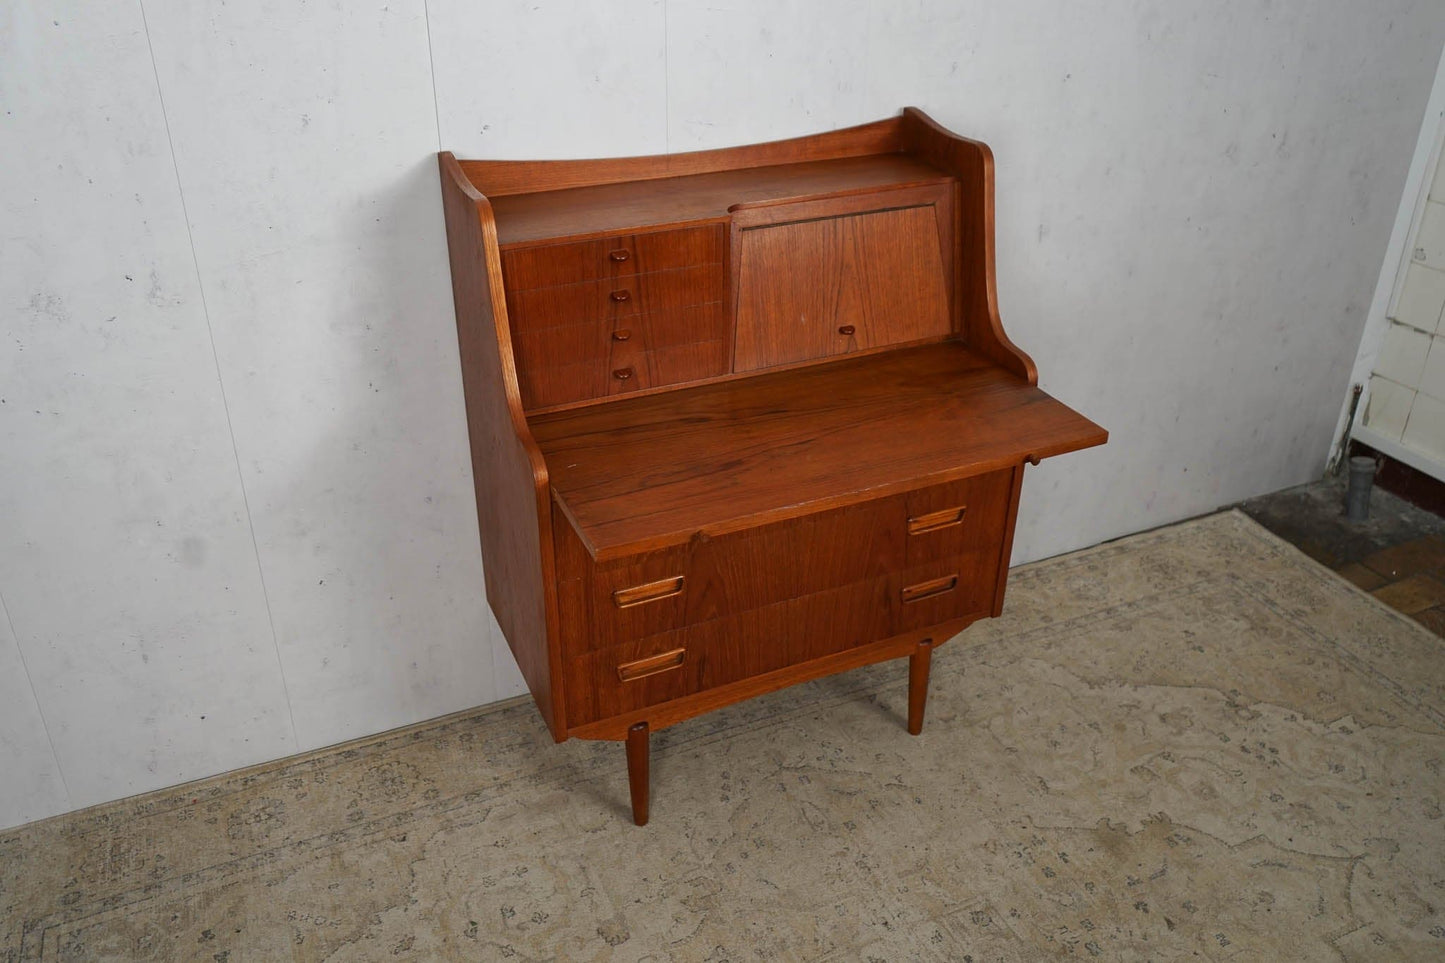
235,506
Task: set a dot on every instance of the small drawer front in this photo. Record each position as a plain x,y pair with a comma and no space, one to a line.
612,257
942,591
617,601
568,304
632,367
610,682
958,518
596,341
575,362
624,368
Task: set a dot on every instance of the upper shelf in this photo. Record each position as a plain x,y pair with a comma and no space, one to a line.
546,215
647,472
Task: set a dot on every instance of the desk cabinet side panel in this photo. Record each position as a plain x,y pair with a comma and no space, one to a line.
510,475
976,314
1016,485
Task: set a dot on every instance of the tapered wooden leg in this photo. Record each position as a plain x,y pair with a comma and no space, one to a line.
918,666
637,775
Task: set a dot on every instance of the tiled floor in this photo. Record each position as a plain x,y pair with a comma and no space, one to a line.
1398,554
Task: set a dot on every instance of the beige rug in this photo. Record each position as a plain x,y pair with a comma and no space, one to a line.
1194,743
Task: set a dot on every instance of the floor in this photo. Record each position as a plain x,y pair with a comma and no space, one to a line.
1397,554
1191,744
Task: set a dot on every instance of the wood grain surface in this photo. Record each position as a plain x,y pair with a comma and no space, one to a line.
831,285
627,207
501,178
976,312
510,474
621,256
639,474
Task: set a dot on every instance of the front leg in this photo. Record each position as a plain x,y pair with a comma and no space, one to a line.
637,770
918,665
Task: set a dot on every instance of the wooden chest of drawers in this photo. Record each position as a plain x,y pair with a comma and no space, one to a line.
647,629
739,418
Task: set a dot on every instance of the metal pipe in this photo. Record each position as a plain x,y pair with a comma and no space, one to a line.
1357,495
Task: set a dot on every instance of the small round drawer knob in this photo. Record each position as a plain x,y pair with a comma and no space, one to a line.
847,330
620,296
620,255
622,374
622,335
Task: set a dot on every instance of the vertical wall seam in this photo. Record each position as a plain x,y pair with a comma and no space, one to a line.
221,383
44,723
431,62
666,89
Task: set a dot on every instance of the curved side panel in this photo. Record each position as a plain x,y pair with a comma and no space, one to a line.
976,304
513,494
499,178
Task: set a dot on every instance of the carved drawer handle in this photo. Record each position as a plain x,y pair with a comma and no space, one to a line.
620,255
622,374
933,521
622,335
620,296
651,592
927,590
846,330
651,665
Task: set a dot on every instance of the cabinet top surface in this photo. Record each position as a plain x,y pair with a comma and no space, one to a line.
652,471
632,205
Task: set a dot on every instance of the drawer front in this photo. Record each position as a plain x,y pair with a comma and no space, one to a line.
568,304
597,341
624,369
947,589
740,572
574,362
649,671
958,518
887,545
613,257
591,596
669,665
795,558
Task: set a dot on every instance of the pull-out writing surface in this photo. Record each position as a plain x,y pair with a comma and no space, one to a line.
644,473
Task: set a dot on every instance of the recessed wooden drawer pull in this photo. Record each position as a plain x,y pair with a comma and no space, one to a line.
651,665
927,590
651,592
620,296
622,335
846,329
933,521
622,374
620,255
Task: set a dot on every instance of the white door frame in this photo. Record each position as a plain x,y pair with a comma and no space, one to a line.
1387,289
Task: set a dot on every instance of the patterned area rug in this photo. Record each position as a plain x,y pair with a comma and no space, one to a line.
1193,743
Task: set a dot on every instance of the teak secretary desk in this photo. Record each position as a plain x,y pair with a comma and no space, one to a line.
739,418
